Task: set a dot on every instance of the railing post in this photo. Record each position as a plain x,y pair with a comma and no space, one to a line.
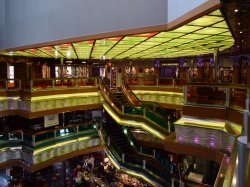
77,129
55,134
157,81
22,135
33,140
144,112
31,85
123,157
20,84
247,100
185,94
144,164
122,109
108,140
53,84
173,83
6,84
96,82
154,153
76,83
63,119
228,93
169,126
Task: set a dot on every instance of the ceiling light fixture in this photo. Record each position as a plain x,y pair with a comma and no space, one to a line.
236,10
68,53
56,53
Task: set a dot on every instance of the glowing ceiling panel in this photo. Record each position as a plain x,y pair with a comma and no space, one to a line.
197,37
66,50
51,51
83,49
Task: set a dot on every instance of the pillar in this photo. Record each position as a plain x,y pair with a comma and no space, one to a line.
183,75
244,162
248,72
236,71
236,74
216,65
61,67
200,72
3,70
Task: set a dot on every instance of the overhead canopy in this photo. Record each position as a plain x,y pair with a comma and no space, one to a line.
200,36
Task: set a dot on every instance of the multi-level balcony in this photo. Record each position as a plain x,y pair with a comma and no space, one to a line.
211,113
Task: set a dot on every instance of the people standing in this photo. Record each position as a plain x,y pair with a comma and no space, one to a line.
78,175
91,162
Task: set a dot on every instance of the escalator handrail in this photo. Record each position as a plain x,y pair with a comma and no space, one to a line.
118,112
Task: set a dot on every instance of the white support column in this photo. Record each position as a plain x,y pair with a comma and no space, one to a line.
244,161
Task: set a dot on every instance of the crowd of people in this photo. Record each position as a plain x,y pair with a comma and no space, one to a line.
84,173
81,174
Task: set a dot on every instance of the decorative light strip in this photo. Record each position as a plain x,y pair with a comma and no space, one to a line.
133,123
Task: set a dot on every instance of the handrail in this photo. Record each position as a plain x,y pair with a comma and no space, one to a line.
221,173
125,164
238,86
126,88
138,102
125,119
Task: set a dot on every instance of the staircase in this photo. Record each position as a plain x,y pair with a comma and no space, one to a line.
119,99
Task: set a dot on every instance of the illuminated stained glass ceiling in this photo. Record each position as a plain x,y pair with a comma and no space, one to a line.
200,36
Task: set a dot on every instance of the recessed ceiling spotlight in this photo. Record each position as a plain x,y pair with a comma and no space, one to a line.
83,62
240,32
236,10
238,23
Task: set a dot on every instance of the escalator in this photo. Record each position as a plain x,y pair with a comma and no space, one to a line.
131,112
124,148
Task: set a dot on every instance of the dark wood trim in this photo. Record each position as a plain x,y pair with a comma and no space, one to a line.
184,149
205,112
195,13
171,106
7,113
235,116
3,93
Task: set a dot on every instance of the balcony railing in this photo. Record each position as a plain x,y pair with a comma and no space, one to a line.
156,81
65,83
220,95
